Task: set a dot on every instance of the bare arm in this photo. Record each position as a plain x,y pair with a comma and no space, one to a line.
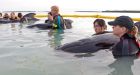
50,17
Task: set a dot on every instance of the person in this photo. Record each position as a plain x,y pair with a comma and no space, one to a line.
99,26
55,18
13,16
19,16
6,16
137,24
123,27
0,15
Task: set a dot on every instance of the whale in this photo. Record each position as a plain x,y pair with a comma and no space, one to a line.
49,25
91,44
30,17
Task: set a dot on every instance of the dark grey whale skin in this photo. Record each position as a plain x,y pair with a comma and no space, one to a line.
90,45
49,25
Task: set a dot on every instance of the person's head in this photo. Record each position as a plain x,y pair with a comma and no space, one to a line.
137,24
122,25
55,10
20,15
6,15
12,15
99,26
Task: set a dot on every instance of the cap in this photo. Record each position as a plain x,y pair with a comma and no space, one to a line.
125,21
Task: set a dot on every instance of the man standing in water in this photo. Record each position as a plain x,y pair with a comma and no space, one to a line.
123,27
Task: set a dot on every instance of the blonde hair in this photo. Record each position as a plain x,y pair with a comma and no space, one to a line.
133,31
55,8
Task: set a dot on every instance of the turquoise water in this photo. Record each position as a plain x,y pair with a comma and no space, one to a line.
26,51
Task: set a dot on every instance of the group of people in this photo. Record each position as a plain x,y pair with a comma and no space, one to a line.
125,29
12,16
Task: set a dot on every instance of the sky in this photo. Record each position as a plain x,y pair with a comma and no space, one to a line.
68,5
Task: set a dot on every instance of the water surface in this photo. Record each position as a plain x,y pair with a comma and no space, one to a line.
26,51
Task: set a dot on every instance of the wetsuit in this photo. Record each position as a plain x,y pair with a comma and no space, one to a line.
126,47
58,21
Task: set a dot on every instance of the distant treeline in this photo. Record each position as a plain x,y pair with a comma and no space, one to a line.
115,11
108,11
25,11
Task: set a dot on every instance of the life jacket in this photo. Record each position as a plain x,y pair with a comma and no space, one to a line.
126,47
59,22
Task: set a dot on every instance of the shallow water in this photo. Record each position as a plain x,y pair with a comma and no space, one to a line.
26,51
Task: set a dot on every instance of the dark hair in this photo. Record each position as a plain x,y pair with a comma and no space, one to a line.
101,22
6,16
20,15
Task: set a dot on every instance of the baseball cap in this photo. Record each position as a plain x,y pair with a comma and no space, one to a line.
125,21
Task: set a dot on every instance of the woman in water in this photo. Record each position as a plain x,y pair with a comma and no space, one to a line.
99,26
123,27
